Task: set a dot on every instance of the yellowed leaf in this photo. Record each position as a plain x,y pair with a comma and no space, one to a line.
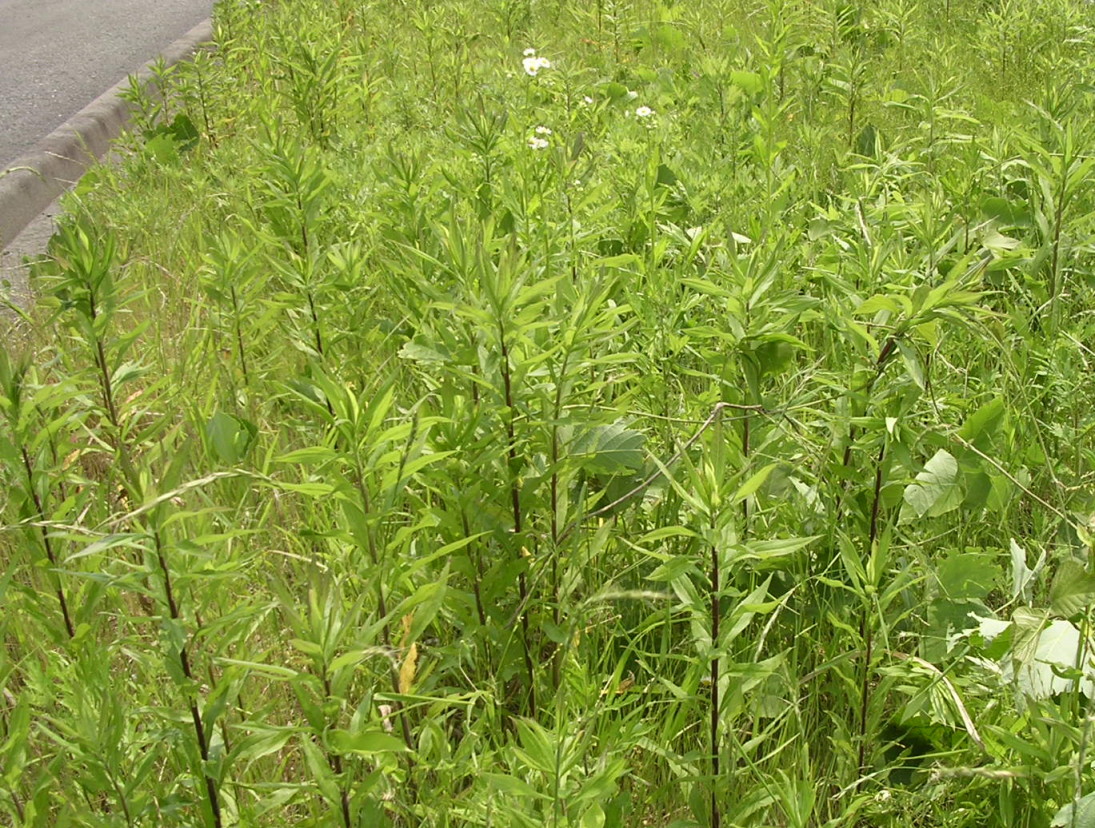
407,670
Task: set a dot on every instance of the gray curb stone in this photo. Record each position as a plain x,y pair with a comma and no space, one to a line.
33,181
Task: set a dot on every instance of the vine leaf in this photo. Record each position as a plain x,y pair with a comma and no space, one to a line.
936,491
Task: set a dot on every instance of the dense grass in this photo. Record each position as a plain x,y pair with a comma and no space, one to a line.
573,414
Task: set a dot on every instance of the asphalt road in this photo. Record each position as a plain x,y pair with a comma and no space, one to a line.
57,56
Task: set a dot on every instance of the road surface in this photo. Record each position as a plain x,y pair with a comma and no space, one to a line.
56,56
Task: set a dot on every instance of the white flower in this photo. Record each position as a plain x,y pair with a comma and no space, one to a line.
537,143
644,112
529,52
588,101
385,710
542,130
533,65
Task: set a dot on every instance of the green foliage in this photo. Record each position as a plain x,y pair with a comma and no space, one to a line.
607,414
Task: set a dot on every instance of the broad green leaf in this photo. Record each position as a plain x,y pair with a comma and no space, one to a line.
818,228
1005,213
776,353
990,628
669,37
946,617
1073,590
1078,814
666,176
607,450
230,437
981,426
594,817
1038,649
163,149
1022,576
619,261
936,490
672,569
970,574
749,82
614,91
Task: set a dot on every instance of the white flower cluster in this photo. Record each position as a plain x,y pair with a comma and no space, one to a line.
534,64
643,113
539,138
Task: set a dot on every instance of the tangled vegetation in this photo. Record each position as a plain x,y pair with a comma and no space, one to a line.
539,413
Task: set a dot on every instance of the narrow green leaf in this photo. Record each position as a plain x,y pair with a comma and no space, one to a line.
506,784
365,742
306,456
751,485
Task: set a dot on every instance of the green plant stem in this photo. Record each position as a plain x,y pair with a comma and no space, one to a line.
713,735
556,614
239,335
204,105
382,608
336,763
184,663
1054,266
866,629
106,388
746,448
515,501
47,543
880,365
477,589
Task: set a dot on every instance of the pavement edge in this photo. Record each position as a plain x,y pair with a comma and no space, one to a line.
33,181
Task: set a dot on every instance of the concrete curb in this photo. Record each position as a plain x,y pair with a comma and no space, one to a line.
34,180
